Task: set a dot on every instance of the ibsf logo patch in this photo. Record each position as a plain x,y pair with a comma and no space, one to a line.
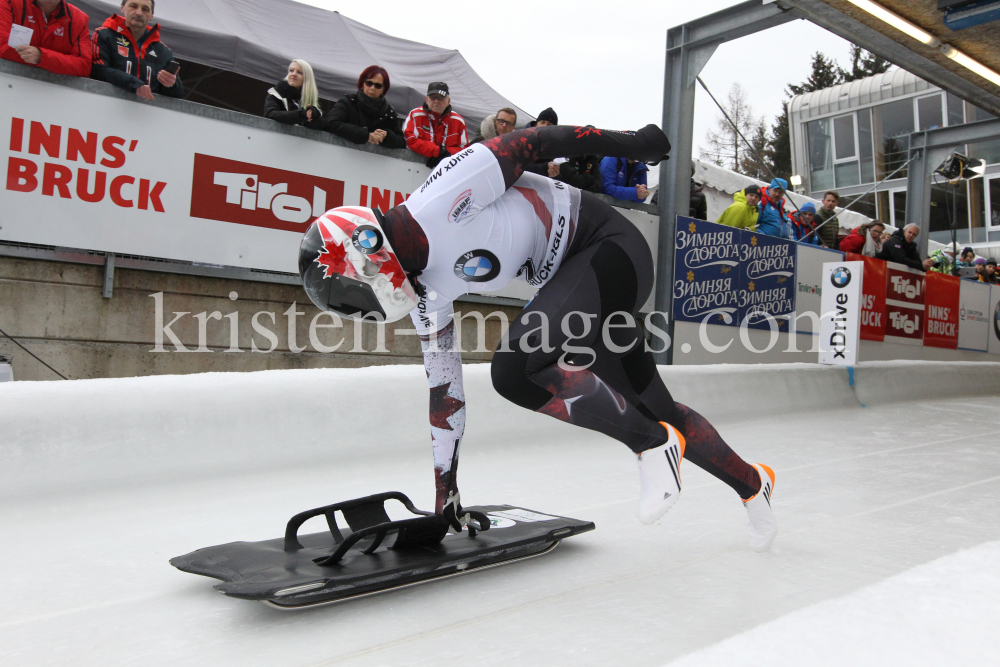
841,277
367,239
460,209
477,266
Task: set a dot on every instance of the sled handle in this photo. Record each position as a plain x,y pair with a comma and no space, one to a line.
292,529
425,530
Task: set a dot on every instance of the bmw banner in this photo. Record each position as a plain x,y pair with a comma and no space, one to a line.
840,319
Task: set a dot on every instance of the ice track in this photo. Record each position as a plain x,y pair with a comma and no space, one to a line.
888,550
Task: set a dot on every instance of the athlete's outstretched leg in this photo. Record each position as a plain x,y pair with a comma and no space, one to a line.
516,150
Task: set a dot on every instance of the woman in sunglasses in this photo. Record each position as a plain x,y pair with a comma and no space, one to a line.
295,100
366,116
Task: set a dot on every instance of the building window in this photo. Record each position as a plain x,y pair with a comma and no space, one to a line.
956,110
929,112
992,208
845,167
820,154
948,201
892,125
865,146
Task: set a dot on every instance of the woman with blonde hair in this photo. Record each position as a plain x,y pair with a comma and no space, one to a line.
295,100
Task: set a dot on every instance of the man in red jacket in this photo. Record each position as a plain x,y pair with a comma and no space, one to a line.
434,130
59,42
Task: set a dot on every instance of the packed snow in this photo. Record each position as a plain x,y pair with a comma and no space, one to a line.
887,552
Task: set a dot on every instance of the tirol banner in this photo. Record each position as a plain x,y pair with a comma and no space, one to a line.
873,299
904,304
706,272
840,319
727,276
767,281
974,316
941,296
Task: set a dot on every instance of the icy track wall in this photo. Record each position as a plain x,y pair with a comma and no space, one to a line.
85,434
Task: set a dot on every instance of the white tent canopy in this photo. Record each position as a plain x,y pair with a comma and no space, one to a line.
258,38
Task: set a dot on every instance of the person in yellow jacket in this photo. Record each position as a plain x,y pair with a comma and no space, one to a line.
743,212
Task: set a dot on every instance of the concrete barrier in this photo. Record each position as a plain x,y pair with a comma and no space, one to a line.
85,434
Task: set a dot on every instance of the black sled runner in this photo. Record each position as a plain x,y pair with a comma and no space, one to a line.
376,554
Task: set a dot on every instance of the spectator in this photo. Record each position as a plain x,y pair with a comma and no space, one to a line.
830,233
60,40
624,179
865,240
773,220
366,116
943,261
547,117
548,168
434,130
989,274
980,264
742,213
698,206
886,236
496,124
581,172
126,44
804,225
967,259
902,249
295,100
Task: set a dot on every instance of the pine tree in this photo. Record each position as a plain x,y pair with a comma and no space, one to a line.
726,148
750,165
864,64
825,73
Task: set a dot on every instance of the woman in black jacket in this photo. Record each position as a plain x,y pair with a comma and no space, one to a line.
295,99
366,116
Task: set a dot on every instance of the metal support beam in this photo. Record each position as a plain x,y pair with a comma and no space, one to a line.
689,48
928,150
109,274
856,32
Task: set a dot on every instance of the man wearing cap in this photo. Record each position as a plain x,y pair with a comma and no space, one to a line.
434,130
804,225
773,220
742,213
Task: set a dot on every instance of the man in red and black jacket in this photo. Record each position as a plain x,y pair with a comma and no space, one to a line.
59,35
129,54
434,130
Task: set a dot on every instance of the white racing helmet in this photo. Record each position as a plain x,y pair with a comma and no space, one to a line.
349,268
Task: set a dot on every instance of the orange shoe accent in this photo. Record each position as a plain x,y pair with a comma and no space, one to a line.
770,473
681,438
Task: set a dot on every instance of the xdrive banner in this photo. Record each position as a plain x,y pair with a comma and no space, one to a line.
730,276
840,319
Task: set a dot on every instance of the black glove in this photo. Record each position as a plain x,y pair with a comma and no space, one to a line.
434,161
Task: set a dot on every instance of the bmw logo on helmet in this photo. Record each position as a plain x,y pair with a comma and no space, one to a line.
477,266
367,239
841,276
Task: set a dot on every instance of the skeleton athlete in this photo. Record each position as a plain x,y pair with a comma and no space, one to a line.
477,223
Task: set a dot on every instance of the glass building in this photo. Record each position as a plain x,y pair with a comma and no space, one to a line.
850,136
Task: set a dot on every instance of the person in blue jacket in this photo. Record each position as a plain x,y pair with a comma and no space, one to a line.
772,219
805,224
624,179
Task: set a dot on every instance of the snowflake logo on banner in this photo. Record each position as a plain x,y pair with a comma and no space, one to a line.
692,228
753,241
752,286
690,276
